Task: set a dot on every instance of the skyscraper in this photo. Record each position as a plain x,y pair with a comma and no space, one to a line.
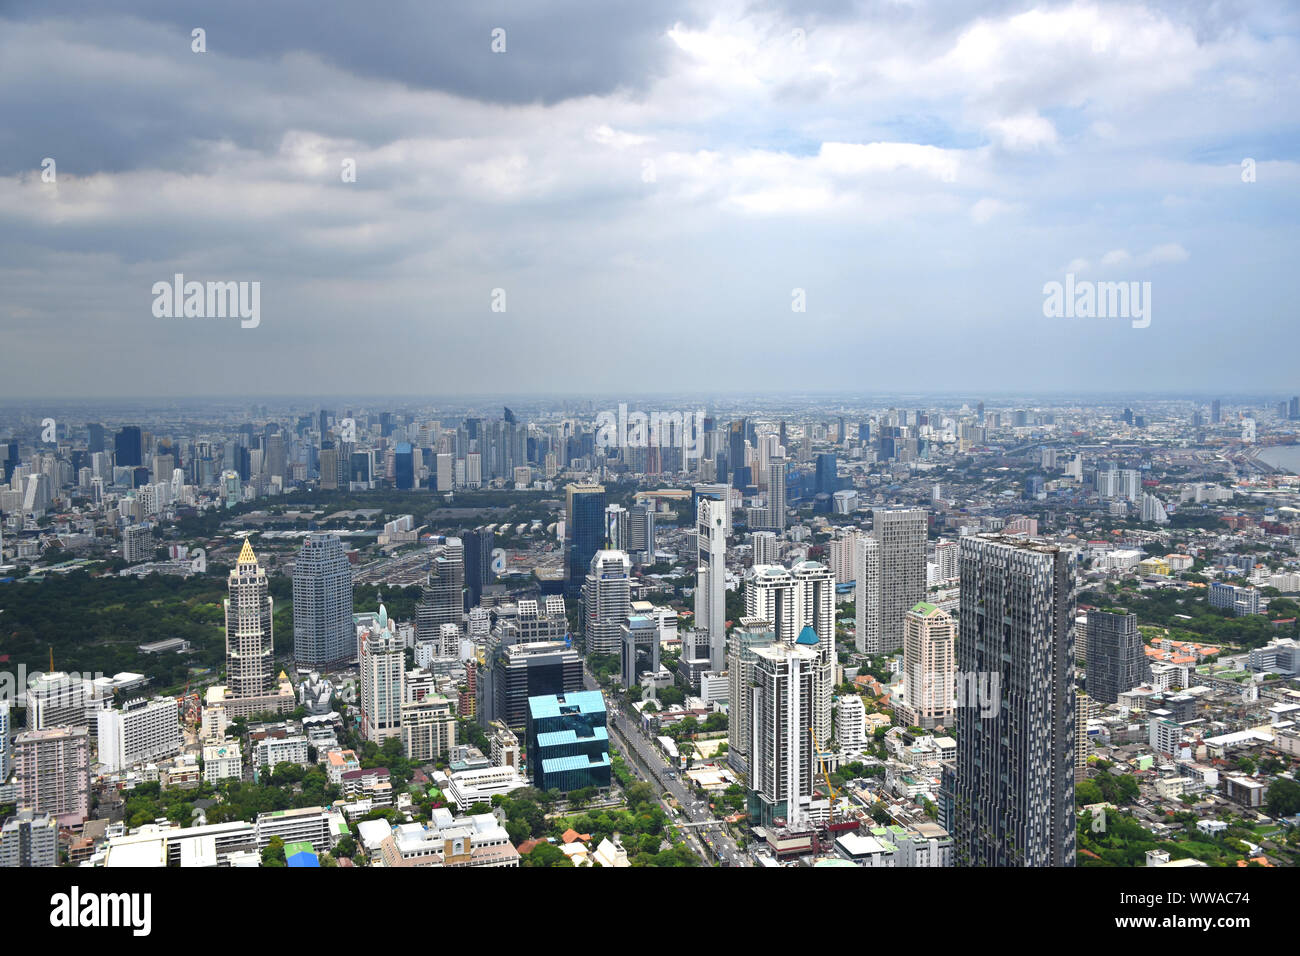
711,578
383,676
1117,660
929,666
443,599
781,749
323,633
901,536
1014,799
641,533
478,563
748,636
584,533
606,600
776,495
128,450
249,642
815,605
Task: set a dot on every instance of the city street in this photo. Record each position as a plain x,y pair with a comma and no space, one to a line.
710,840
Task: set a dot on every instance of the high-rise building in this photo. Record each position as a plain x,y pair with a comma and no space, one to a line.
324,636
29,839
383,675
517,672
765,547
781,706
750,634
443,599
641,533
711,578
901,535
142,730
1117,660
770,596
606,600
814,587
6,741
250,649
584,533
1216,412
128,448
776,495
479,544
404,466
568,742
867,595
929,666
616,527
52,773
1014,799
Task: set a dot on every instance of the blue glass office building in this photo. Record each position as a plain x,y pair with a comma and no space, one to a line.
568,742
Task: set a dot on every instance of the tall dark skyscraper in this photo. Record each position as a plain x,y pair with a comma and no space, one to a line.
1014,799
95,437
827,474
404,463
128,449
1117,660
323,633
443,600
1216,412
478,563
736,453
584,533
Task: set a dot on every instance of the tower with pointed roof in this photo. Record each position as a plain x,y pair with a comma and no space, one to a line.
250,655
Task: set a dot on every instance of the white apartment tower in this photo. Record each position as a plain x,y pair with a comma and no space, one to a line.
606,600
711,578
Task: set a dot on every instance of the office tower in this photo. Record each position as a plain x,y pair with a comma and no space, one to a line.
479,545
814,587
749,635
250,649
867,596
516,672
383,675
901,536
765,547
1216,412
1014,801
711,578
1116,657
404,466
770,596
776,495
584,533
736,452
128,448
641,533
827,480
929,666
324,635
443,599
275,461
568,742
639,645
52,773
616,527
606,600
446,474
781,705
143,730
29,839
94,437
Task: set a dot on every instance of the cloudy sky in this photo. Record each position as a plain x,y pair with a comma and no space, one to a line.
648,184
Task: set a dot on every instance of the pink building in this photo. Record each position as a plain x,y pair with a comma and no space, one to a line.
52,773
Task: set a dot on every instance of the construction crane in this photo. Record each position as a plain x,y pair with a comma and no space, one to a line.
826,835
821,765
